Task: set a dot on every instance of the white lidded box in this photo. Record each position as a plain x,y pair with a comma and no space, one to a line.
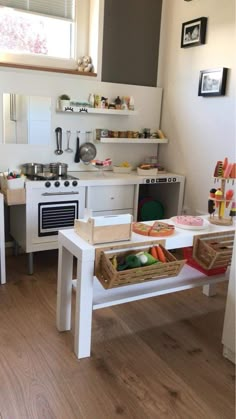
105,229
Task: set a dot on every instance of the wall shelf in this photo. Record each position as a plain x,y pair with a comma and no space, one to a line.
83,111
133,140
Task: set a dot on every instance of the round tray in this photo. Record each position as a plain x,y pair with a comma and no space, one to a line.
190,227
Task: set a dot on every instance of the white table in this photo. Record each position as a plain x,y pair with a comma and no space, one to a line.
90,295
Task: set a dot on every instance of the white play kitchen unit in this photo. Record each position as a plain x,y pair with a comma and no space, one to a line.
53,205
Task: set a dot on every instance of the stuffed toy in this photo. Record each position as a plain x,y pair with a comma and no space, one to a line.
85,64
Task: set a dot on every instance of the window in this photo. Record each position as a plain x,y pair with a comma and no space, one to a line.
49,33
27,33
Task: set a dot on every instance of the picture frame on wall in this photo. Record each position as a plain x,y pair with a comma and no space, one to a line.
194,32
212,82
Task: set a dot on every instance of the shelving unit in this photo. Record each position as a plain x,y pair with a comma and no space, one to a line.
84,110
133,140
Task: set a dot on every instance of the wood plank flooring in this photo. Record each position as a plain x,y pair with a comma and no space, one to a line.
151,359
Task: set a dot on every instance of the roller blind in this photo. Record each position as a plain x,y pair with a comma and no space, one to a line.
55,8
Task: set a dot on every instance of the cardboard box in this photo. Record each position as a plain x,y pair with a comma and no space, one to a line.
105,229
14,196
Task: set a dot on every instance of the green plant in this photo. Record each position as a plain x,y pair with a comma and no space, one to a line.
64,97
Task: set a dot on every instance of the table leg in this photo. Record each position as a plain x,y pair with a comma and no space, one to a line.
64,288
209,290
84,308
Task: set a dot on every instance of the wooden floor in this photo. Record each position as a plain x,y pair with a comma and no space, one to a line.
156,358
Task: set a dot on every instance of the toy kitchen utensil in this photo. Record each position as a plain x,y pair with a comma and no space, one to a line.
77,153
58,132
68,149
87,150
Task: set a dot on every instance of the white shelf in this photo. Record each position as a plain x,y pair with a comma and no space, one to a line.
133,140
114,112
188,278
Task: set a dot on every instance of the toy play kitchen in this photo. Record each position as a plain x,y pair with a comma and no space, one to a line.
53,201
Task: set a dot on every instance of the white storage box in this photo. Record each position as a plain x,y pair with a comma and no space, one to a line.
16,183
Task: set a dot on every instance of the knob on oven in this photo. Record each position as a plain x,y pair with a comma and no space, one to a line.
66,183
47,184
74,183
57,184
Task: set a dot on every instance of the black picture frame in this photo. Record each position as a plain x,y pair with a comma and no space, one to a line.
194,32
212,82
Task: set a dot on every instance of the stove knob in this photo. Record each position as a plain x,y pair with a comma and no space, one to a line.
147,180
66,183
47,184
152,180
74,183
57,184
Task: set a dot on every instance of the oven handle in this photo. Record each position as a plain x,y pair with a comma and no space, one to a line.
59,193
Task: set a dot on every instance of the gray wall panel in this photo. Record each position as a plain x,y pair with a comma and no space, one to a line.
131,41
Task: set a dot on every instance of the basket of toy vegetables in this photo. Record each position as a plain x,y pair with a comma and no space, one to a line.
115,268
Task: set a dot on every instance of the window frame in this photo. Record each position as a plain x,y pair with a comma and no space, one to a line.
80,44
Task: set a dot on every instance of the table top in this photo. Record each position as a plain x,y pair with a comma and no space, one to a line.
180,237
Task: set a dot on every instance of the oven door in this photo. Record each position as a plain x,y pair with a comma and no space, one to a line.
48,212
54,216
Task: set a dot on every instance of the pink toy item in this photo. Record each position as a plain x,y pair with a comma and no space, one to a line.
228,170
189,220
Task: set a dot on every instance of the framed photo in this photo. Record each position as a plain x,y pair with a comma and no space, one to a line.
194,32
212,82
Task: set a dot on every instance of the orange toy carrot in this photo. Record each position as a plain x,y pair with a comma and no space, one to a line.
153,252
160,254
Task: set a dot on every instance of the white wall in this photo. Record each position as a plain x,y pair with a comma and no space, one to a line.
147,104
201,130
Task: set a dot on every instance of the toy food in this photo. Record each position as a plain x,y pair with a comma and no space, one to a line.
212,192
218,169
189,220
160,254
228,170
146,259
228,196
218,196
157,229
131,261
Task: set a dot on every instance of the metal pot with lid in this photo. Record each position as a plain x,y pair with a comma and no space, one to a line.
32,169
59,169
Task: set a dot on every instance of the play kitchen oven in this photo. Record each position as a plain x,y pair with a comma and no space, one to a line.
51,205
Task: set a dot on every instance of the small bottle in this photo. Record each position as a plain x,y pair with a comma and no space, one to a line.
118,102
91,100
131,103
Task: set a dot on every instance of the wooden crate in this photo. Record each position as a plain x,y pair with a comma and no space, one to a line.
213,250
110,277
105,229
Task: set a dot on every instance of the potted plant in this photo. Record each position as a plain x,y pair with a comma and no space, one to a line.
64,101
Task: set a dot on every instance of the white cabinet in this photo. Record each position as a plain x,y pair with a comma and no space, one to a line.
105,200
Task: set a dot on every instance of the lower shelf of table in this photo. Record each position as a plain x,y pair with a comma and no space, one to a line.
188,278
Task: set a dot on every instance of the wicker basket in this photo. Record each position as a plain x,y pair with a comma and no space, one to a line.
213,250
110,277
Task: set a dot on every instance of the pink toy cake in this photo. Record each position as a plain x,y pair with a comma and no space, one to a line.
189,220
